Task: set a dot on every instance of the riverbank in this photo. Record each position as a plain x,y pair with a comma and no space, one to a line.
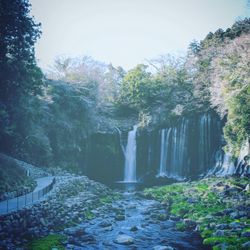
219,208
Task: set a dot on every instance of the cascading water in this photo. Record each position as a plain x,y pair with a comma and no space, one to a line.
165,133
205,142
130,157
173,151
189,149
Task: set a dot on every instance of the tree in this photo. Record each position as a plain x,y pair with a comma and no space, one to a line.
136,88
230,90
20,77
18,34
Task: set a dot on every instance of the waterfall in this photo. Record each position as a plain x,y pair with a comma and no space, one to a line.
204,142
227,167
173,151
224,165
149,161
120,139
130,157
165,134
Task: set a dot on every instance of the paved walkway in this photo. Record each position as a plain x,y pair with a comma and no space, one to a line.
28,199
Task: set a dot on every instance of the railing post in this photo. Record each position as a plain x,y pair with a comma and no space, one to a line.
7,205
32,197
25,198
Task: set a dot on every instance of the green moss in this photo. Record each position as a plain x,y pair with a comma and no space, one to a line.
47,243
202,187
106,199
180,226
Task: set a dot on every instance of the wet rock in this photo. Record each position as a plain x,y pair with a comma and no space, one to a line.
228,211
134,228
219,233
105,223
120,217
174,218
236,225
190,224
222,226
245,234
74,241
192,200
246,245
110,228
87,238
237,215
131,206
163,248
75,231
124,239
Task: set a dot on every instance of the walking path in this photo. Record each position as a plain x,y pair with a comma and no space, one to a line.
28,199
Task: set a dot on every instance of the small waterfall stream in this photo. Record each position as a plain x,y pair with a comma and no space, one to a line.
130,157
165,133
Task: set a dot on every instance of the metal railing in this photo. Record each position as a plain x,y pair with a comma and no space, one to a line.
19,202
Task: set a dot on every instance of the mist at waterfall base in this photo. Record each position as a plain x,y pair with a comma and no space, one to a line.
187,150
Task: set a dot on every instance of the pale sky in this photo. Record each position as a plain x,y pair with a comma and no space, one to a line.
126,32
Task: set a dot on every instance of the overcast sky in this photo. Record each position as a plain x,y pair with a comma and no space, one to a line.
125,32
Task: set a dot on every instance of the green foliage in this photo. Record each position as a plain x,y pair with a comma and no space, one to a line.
213,39
47,243
180,226
136,88
18,34
20,76
143,89
237,129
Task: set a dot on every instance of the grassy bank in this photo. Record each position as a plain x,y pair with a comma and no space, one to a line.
218,206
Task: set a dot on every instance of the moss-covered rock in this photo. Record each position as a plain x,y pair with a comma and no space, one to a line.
213,204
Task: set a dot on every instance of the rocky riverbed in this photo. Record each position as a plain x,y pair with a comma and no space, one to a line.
83,214
132,222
